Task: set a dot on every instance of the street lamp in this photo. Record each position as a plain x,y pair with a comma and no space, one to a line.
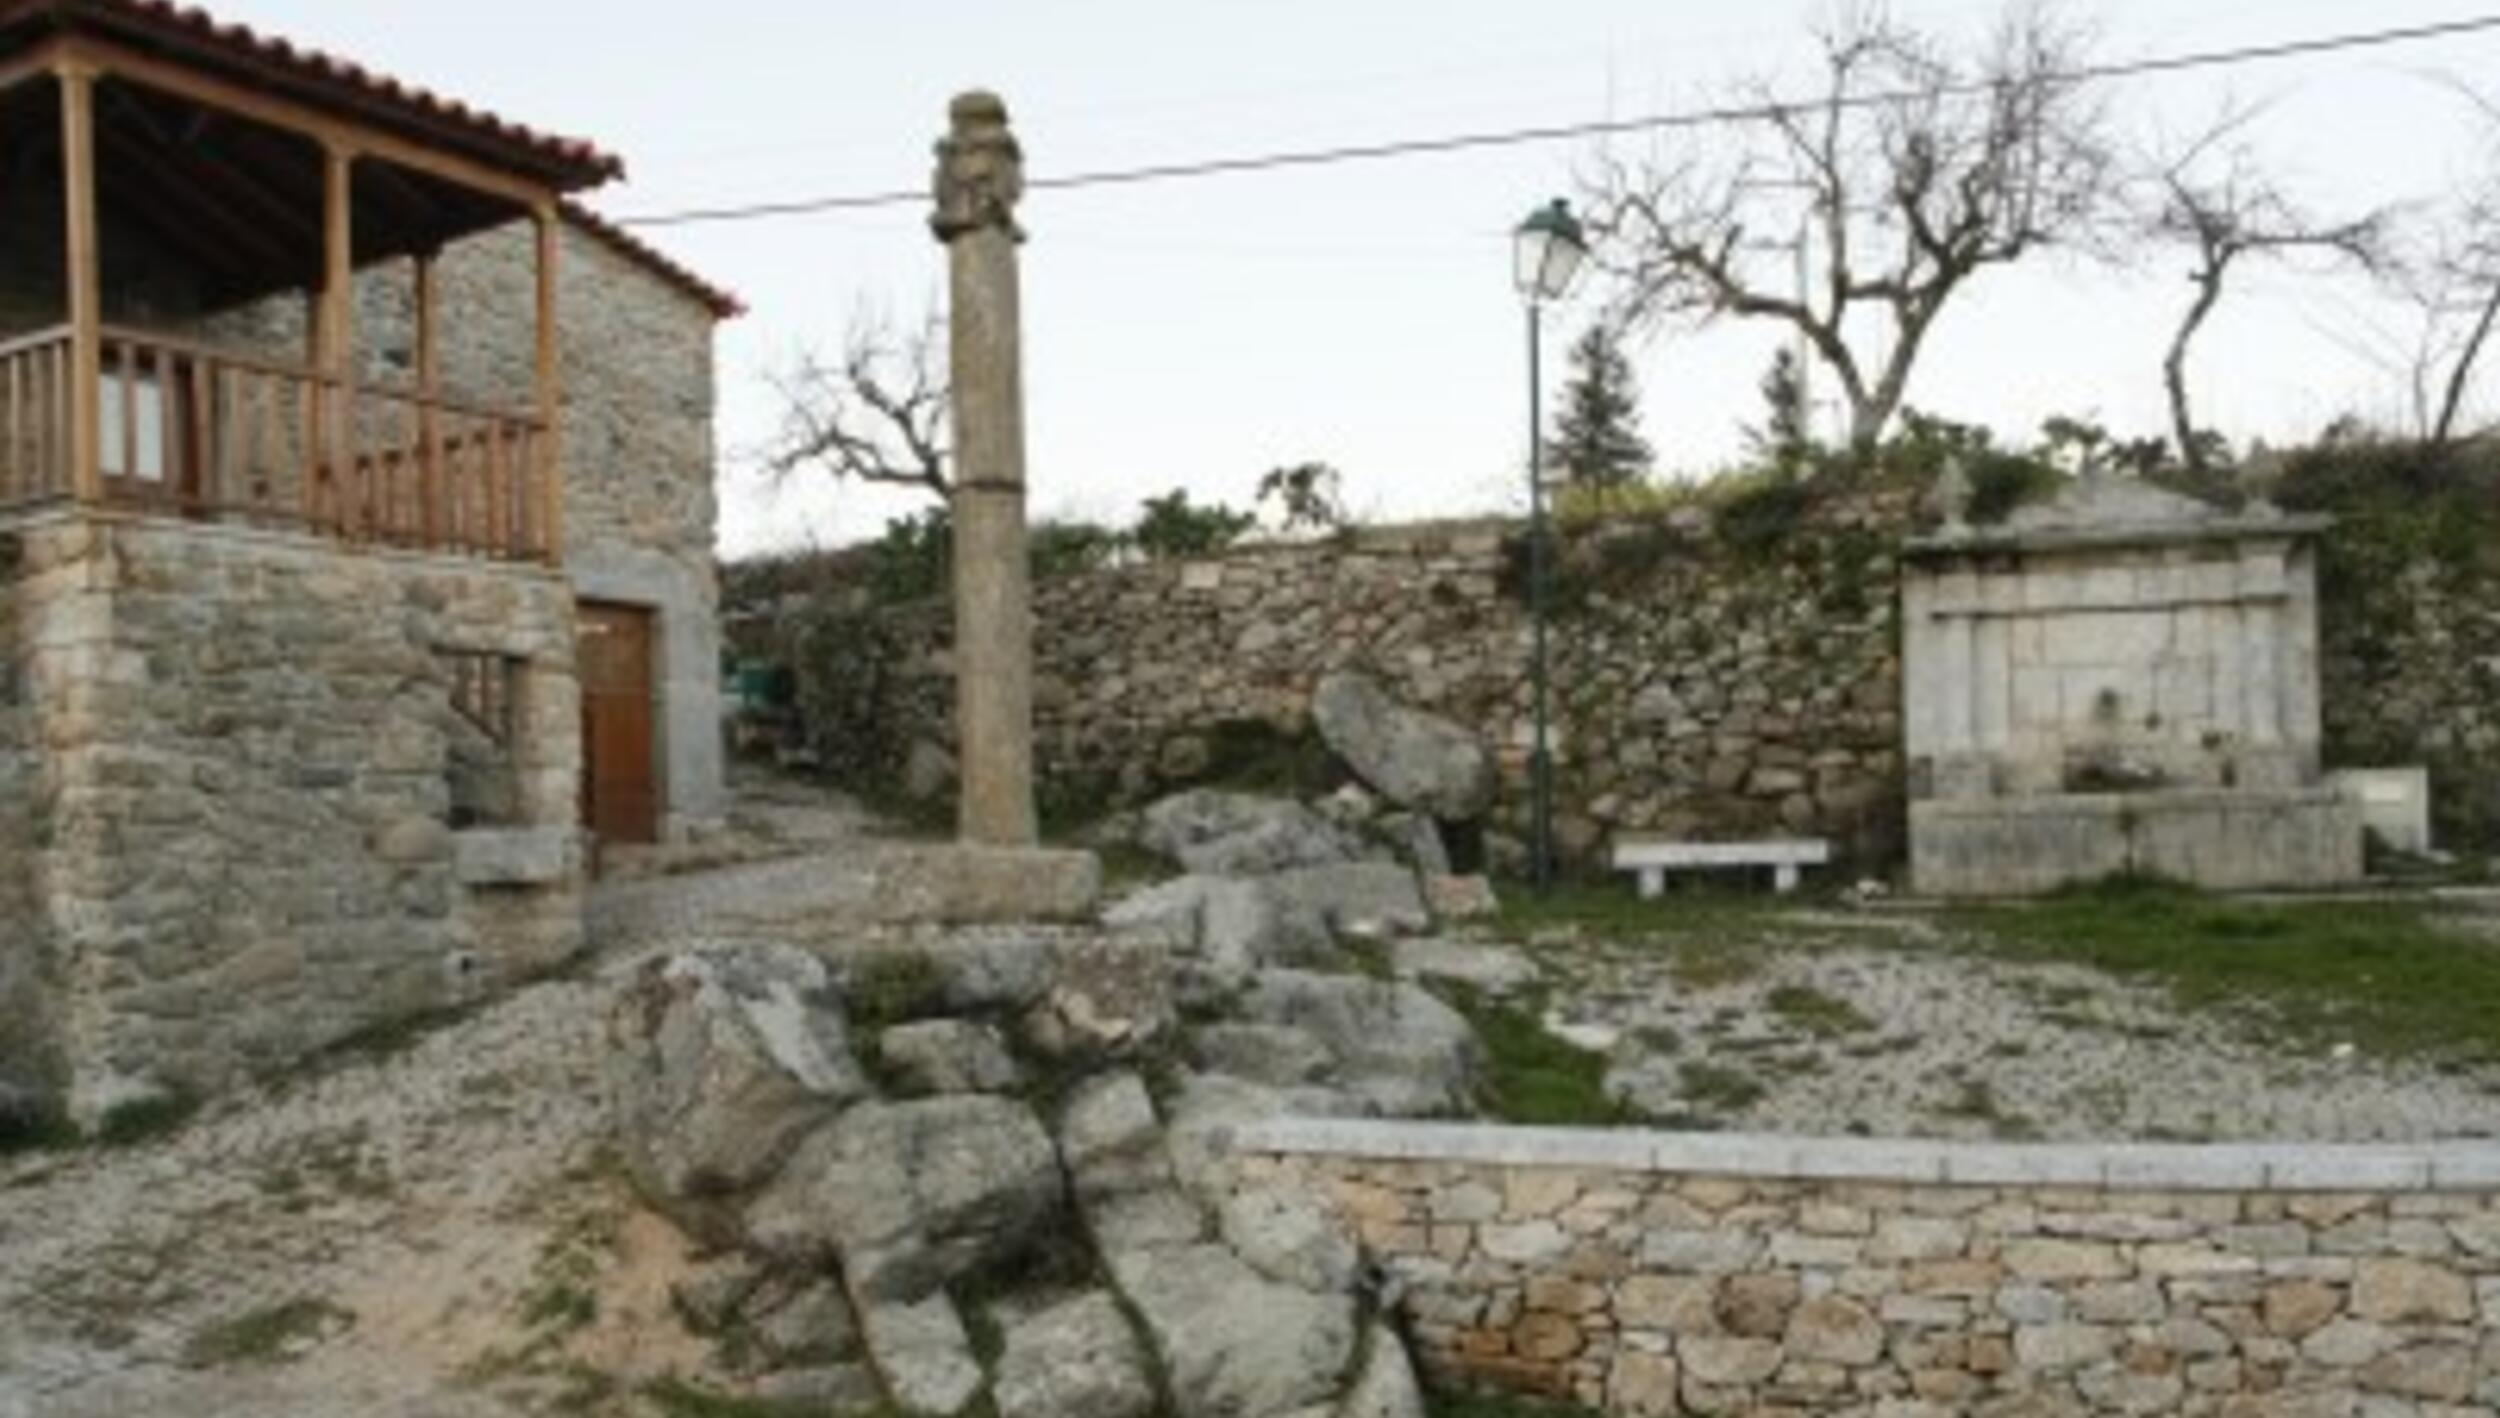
1546,253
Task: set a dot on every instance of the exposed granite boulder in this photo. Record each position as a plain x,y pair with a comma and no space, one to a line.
1234,926
909,1196
1277,1055
1386,1387
1241,834
947,1056
720,1062
923,1354
1077,1357
1121,1167
1108,996
1235,1344
1371,900
1398,1049
1286,1235
1416,760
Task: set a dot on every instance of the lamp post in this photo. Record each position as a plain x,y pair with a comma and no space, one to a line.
1546,252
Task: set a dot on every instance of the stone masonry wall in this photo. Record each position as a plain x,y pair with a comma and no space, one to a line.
2411,666
635,354
1696,690
1702,688
1653,1275
29,1059
245,740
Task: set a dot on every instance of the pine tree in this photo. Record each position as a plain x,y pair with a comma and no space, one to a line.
1597,440
1786,435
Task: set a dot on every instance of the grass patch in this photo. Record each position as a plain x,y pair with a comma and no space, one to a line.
146,1119
1977,1102
1822,1015
262,1336
1717,1087
2382,976
1531,1076
1612,913
39,1128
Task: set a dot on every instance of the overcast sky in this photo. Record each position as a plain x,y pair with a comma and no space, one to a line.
1194,334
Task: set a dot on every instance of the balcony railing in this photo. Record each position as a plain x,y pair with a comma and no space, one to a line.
187,430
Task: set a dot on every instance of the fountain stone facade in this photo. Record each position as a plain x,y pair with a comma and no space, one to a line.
2123,680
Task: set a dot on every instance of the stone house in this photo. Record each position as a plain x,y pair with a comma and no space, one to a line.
356,520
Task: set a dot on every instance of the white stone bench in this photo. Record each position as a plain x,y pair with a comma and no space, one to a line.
1654,857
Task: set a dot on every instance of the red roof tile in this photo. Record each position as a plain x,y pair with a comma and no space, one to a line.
323,79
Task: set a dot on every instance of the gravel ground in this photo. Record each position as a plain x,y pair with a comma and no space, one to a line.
405,1215
1856,1030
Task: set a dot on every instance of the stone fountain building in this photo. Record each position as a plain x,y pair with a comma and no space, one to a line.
2122,680
355,551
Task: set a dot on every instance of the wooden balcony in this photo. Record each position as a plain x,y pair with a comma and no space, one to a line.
186,430
202,181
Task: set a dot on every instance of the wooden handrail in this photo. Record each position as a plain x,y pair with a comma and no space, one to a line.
235,436
291,369
34,340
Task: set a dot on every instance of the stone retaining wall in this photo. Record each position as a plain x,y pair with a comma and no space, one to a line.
238,746
1703,687
1697,690
1654,1273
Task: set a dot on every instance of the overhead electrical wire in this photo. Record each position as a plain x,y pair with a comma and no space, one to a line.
1596,128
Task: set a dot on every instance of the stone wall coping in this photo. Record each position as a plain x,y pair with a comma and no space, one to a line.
2384,1167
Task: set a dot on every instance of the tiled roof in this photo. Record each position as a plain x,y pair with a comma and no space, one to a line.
320,77
723,304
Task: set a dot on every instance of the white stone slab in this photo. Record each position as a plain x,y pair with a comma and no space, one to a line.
1653,857
2457,1166
2395,803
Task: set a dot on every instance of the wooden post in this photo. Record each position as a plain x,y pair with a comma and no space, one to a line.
334,457
429,389
86,304
549,445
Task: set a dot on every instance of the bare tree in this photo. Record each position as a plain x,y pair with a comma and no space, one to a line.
2457,292
879,415
2453,282
1912,171
2216,199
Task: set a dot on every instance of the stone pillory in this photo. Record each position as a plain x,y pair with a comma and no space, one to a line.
2121,680
980,177
305,469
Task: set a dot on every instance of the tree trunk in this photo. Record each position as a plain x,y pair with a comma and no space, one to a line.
2454,398
1870,412
2174,368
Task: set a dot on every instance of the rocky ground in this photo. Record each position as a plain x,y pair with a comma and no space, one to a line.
1827,1022
456,1224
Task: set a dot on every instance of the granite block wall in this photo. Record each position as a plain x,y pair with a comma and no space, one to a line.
241,755
1648,1275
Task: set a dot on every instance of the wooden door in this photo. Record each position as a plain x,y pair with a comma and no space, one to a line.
620,799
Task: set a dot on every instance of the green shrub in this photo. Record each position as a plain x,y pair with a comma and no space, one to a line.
1173,528
909,562
1073,548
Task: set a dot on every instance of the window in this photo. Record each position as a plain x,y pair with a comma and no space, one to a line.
142,424
484,689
